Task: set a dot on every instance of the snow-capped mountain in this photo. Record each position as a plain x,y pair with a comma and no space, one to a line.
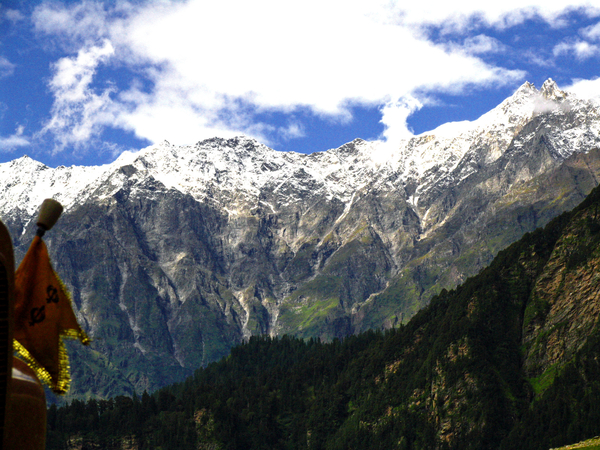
220,170
174,254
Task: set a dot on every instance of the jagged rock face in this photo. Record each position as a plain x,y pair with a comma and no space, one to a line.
483,357
565,301
174,254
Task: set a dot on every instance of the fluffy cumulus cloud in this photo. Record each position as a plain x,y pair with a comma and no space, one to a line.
582,47
395,116
79,112
586,89
198,69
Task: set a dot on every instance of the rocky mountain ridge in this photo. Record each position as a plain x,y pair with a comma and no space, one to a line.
509,359
247,166
174,254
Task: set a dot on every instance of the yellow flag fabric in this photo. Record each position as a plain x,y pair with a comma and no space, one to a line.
43,315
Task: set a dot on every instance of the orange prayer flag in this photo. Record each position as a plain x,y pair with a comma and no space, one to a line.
43,315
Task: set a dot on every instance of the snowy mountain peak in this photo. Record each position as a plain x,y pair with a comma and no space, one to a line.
551,91
526,87
173,245
26,161
241,169
521,101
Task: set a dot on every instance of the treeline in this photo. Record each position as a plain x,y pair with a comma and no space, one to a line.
452,378
269,393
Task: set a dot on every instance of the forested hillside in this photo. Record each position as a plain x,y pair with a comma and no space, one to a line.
510,359
175,254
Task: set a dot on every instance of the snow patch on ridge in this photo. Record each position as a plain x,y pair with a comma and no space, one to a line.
234,173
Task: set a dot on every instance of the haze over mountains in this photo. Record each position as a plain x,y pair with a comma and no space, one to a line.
175,254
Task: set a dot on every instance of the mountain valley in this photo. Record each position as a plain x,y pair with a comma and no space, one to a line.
176,254
509,359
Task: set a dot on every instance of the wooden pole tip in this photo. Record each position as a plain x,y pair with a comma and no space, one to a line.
50,211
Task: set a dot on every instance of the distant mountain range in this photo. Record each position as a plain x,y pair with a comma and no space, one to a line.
175,254
510,359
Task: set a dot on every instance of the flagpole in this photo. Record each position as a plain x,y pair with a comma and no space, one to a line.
50,211
7,277
43,316
43,310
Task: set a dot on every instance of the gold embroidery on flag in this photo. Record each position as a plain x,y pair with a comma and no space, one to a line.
43,317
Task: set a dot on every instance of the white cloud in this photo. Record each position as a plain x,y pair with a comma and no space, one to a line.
580,49
592,32
79,112
208,67
394,117
10,143
481,44
475,45
465,14
6,67
13,15
80,24
588,89
539,59
293,130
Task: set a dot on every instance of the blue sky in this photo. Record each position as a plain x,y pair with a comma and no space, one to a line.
81,82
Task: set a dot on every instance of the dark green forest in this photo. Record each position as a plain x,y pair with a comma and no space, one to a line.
457,376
